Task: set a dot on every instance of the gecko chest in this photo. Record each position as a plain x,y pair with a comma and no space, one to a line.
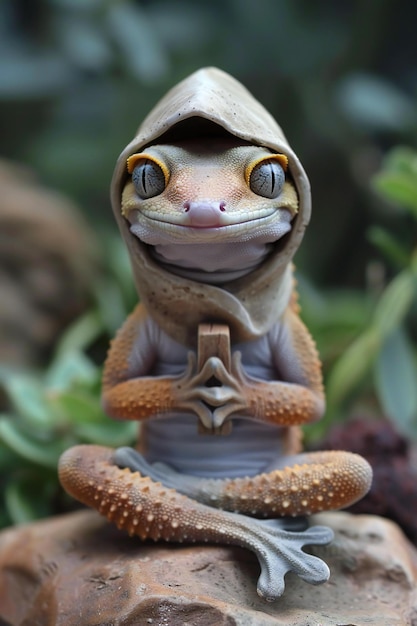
247,451
174,439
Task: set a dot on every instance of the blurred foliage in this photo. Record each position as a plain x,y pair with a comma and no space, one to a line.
370,338
50,410
76,79
49,413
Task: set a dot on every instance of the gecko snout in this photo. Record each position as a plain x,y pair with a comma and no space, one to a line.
205,214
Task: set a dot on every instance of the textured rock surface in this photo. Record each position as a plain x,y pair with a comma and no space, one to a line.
78,570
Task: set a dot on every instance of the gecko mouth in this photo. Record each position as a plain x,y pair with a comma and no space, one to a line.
267,226
205,256
207,216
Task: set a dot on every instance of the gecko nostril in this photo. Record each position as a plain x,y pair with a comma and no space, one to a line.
187,206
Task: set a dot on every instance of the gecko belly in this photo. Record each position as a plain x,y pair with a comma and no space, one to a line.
247,451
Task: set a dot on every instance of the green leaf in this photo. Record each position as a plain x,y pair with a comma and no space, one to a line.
413,264
8,459
398,187
397,181
391,248
77,407
17,505
27,398
396,381
112,316
401,159
71,367
357,360
26,498
395,303
352,367
41,453
112,434
81,334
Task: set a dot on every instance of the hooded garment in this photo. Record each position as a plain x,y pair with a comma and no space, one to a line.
210,102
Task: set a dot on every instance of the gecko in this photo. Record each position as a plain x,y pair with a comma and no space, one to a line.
215,362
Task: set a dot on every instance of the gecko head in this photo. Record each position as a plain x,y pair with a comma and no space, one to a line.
209,157
209,186
215,205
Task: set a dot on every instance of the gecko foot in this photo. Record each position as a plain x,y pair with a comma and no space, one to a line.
280,551
278,543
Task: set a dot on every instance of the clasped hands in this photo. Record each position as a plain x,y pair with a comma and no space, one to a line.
213,393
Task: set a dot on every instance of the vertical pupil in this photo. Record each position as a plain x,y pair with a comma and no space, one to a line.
267,179
144,170
272,178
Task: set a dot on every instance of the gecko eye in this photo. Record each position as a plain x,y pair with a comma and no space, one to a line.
148,179
267,178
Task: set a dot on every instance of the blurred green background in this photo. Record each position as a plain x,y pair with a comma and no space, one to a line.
76,79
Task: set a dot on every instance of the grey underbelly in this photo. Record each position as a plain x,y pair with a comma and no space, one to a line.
247,451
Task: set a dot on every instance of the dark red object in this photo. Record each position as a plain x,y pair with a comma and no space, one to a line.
394,488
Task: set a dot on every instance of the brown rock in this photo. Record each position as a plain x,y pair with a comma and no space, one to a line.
79,570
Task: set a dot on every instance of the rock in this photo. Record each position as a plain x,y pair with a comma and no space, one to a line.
78,570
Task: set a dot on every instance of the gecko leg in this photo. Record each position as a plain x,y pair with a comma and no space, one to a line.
309,483
150,510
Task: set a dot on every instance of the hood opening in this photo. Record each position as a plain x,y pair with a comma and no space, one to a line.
194,128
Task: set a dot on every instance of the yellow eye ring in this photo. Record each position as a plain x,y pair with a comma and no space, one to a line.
281,158
135,159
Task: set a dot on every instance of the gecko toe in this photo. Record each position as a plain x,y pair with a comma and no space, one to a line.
280,551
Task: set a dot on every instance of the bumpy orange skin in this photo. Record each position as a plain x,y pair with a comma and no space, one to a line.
321,481
131,501
275,402
327,480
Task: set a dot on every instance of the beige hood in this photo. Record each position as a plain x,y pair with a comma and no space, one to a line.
250,305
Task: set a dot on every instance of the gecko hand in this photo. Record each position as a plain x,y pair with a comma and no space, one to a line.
213,393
